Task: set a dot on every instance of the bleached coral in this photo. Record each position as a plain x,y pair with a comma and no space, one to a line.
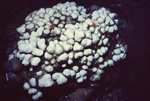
52,39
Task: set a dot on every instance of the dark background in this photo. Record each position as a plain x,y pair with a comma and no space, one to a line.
133,77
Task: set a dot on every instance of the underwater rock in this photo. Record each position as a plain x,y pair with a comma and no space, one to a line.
13,65
14,77
16,65
81,94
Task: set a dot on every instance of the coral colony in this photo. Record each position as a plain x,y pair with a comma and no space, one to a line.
65,42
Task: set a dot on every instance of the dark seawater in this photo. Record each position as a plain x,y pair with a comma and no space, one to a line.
128,80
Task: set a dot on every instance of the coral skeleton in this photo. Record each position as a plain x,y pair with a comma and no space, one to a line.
67,42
